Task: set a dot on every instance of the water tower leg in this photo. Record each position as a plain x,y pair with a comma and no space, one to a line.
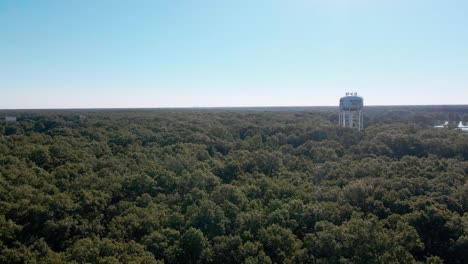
344,119
361,116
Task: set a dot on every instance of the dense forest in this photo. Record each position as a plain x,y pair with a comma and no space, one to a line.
283,185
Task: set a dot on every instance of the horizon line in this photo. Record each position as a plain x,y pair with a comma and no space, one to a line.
213,107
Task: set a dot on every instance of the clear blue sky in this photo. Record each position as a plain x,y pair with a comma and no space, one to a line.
97,53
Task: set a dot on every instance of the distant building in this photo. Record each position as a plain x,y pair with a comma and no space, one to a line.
445,125
462,127
453,125
10,118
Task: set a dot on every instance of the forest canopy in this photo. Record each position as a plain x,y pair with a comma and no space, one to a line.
262,185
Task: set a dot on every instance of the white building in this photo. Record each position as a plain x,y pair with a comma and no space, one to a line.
10,118
462,127
445,125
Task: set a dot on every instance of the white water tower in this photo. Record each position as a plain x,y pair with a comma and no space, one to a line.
351,113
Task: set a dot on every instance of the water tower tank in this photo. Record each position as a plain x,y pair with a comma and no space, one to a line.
351,111
352,102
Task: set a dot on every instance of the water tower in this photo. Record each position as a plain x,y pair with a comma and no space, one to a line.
351,113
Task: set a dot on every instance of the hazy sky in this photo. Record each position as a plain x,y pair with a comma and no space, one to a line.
173,53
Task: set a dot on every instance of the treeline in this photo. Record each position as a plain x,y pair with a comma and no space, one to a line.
232,186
